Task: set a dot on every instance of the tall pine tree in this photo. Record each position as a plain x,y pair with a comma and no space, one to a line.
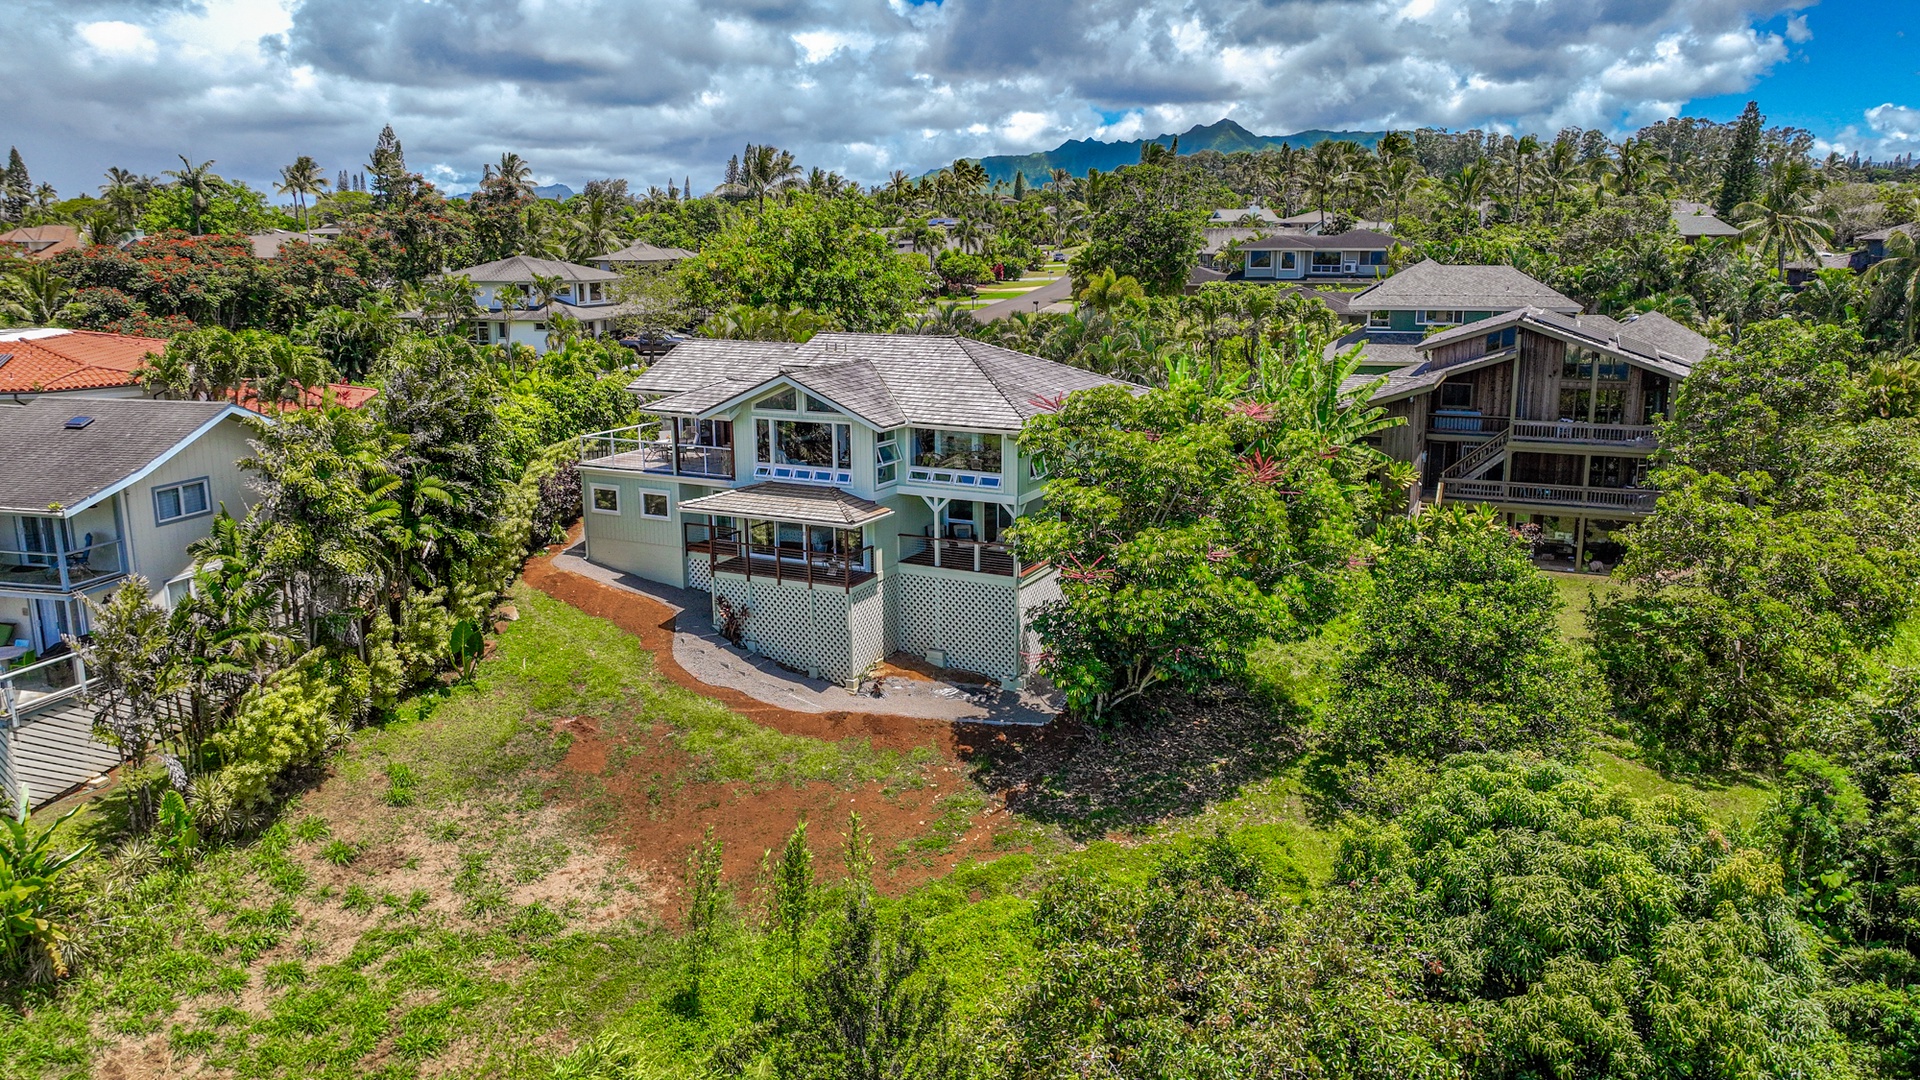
389,167
1740,179
18,186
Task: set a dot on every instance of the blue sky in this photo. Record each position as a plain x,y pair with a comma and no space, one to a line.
1862,54
657,90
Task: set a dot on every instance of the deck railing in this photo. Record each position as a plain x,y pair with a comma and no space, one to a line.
640,449
979,556
26,690
1571,431
63,571
730,551
1466,424
1631,500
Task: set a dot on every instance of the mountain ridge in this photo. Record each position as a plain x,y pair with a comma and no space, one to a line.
1225,136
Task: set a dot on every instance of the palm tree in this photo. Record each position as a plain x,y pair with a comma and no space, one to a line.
301,179
1783,219
1830,297
1327,170
1395,183
1899,274
766,170
1635,170
513,174
125,193
1466,190
32,295
201,185
1557,172
1104,292
1522,157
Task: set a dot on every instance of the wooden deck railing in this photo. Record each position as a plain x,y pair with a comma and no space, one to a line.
729,551
979,556
1631,500
1569,431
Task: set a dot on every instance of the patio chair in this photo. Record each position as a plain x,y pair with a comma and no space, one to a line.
80,558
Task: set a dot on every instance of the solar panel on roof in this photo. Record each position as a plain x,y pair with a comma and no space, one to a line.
78,422
4,357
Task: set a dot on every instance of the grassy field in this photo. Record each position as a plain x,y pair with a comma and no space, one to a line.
1575,591
489,885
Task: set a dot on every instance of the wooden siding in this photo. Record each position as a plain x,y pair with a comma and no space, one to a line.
52,751
1540,361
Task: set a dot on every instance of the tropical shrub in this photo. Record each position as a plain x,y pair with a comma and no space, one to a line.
37,909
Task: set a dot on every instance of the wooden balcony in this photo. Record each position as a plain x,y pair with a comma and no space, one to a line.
785,565
1619,500
1636,436
975,556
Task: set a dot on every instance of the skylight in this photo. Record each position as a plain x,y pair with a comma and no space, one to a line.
79,422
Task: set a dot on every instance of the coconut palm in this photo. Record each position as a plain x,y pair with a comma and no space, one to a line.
32,295
125,193
1899,274
1636,169
766,170
301,179
1782,219
513,175
1466,191
1327,172
1395,183
1103,292
1522,158
201,184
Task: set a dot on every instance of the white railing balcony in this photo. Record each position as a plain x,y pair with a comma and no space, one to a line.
44,571
640,449
25,690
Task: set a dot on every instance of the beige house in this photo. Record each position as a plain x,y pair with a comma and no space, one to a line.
849,495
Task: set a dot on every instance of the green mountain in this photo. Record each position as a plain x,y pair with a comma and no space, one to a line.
1078,155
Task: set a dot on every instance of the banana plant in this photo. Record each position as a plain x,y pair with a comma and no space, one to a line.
33,922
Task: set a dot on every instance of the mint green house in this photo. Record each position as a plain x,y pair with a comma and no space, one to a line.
849,495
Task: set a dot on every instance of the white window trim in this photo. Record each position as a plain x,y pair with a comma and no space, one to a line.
593,492
206,486
1423,317
1379,320
668,516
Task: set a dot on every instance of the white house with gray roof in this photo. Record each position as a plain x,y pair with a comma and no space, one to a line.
519,295
851,495
1547,417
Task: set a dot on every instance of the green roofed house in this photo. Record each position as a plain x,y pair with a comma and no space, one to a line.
1546,416
1397,313
851,495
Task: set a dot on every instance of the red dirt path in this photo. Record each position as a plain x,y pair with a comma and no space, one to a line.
658,818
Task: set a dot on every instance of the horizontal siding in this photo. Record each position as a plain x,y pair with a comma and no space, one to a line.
54,750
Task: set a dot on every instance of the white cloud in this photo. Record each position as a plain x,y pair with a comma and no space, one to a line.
1894,130
655,91
116,40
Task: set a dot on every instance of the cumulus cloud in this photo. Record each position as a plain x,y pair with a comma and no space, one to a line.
659,90
1892,131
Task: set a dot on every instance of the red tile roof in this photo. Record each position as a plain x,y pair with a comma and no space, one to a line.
345,395
42,241
50,360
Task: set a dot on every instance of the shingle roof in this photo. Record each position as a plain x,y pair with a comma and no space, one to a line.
1651,340
522,268
885,379
50,360
1232,215
1354,240
641,252
1695,220
1883,235
1460,288
268,244
1213,241
1650,337
802,503
49,463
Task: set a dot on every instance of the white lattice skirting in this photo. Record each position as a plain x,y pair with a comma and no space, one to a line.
837,634
974,621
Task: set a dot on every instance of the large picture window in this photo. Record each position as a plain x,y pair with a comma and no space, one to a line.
805,442
968,450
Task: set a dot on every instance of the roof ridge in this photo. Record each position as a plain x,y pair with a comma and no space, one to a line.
992,379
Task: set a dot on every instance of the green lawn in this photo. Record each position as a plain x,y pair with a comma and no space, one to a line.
1575,591
449,903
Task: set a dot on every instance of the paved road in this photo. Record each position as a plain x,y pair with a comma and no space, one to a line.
1051,293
